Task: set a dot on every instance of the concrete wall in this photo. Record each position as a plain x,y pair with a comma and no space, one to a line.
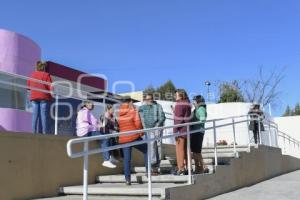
35,166
258,165
218,111
290,126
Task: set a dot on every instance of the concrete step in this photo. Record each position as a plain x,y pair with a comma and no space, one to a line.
226,156
226,149
167,169
91,197
142,178
167,165
171,160
120,189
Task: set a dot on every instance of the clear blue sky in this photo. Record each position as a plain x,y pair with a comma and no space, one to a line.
149,42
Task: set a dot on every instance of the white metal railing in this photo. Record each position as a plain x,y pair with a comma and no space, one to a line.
58,91
87,152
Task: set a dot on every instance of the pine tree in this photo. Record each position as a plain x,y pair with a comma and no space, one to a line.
297,109
288,111
164,92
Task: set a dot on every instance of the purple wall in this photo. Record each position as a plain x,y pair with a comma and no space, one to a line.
18,54
15,120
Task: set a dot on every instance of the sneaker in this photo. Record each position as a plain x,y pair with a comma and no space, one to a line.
108,164
113,160
181,173
128,183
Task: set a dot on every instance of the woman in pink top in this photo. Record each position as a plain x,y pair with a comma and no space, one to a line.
87,125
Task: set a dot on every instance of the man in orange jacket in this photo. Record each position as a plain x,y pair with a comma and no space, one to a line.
129,120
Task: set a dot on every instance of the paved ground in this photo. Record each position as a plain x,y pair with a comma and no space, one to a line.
285,187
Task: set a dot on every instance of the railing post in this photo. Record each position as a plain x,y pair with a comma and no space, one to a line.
234,138
277,137
215,143
259,130
56,115
248,124
149,150
284,148
189,155
270,141
85,170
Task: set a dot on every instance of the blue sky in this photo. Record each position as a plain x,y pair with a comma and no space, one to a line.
149,42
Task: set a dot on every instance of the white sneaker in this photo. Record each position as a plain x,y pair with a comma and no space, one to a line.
113,160
108,164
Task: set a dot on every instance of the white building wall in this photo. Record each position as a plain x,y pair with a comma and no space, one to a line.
290,126
220,111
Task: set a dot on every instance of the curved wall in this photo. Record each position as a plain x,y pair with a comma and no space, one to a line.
18,55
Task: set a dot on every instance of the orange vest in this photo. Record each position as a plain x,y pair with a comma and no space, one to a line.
129,120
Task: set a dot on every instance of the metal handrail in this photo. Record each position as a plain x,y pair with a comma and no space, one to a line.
52,92
114,135
86,140
86,151
25,78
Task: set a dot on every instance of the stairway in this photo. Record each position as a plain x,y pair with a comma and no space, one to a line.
113,187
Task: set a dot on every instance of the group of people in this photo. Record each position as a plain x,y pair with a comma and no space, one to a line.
183,114
147,116
129,118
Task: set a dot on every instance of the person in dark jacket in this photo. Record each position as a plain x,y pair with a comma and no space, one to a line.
109,125
152,115
40,100
182,114
256,124
199,115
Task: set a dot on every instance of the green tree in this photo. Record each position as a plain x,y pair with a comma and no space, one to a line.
164,92
292,111
297,109
288,111
230,92
167,91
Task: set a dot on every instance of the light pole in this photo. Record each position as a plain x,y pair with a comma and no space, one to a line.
208,84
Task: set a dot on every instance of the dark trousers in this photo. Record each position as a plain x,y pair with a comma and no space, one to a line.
256,136
127,158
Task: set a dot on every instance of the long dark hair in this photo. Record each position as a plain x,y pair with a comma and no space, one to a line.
183,94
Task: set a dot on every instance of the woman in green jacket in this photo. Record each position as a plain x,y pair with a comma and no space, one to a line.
199,115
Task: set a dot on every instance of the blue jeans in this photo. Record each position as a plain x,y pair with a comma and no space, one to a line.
103,144
40,115
127,158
